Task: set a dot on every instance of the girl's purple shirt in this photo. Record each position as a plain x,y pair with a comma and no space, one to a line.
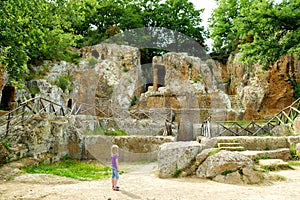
113,161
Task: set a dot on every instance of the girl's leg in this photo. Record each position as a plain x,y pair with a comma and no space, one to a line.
113,181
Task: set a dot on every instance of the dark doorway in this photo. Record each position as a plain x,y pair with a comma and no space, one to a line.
161,73
69,103
8,96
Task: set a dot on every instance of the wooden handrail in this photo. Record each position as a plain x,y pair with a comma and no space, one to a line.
34,106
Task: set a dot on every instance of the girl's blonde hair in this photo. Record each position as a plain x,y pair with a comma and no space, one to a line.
114,149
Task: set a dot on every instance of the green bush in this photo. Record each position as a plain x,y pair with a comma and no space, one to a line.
297,90
294,152
63,82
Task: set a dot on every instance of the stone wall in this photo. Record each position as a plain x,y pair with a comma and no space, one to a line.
48,137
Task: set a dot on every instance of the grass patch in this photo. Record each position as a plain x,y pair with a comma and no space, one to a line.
275,168
229,171
84,171
277,178
107,132
257,158
177,173
294,152
213,152
294,163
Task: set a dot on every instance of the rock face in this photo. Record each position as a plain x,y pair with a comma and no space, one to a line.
48,137
176,156
141,144
4,153
110,81
258,89
131,148
229,167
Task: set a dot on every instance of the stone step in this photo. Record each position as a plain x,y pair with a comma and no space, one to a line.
273,164
229,144
283,154
232,148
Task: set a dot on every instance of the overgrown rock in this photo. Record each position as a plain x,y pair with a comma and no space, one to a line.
176,156
298,149
4,153
229,167
204,154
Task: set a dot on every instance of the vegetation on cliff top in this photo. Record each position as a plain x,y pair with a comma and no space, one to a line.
33,31
262,30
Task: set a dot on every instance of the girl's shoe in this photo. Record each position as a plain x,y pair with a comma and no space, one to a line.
116,188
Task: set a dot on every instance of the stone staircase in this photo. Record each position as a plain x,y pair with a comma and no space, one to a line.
276,159
231,146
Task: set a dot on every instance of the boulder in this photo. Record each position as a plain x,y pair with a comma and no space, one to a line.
229,167
296,125
176,156
204,154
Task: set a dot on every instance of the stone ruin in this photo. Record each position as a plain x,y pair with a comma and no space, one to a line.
206,158
112,81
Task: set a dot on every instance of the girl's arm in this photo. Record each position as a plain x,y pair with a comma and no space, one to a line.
117,164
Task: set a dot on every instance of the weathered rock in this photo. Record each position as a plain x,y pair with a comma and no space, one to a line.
229,167
231,178
282,130
283,153
131,148
293,140
204,154
257,143
175,156
249,176
141,144
221,162
252,96
4,153
298,149
46,90
252,84
208,143
273,163
296,125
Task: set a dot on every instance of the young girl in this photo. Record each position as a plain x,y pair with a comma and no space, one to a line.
115,167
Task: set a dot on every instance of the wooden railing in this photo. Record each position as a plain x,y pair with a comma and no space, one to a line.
262,127
109,111
26,110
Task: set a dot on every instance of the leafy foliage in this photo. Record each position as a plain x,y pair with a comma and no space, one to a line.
274,30
222,28
63,82
261,30
33,31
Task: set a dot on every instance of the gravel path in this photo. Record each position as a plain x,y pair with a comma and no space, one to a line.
143,183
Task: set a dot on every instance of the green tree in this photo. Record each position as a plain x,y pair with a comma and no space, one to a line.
221,28
261,30
33,31
268,31
104,18
181,17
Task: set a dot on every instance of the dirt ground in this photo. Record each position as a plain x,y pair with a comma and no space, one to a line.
142,183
